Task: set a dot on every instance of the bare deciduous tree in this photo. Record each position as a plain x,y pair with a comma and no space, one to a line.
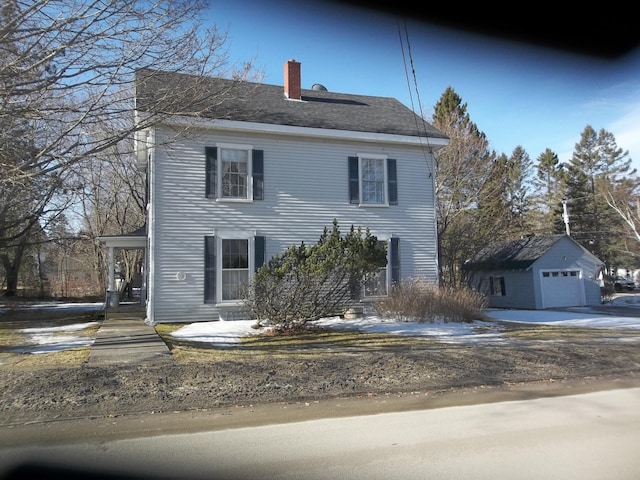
67,69
463,168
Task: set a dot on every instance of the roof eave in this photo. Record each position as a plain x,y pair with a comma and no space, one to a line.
435,143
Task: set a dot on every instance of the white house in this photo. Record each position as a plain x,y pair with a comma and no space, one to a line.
537,272
264,167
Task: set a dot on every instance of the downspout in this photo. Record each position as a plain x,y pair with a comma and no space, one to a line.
151,227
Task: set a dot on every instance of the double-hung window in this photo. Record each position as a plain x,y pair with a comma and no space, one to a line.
373,180
234,173
235,268
230,258
372,175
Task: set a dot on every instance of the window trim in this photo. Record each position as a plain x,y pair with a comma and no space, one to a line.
385,180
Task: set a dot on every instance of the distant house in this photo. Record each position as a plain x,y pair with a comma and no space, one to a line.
537,273
264,167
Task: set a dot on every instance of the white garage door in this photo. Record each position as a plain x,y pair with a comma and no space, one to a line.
561,289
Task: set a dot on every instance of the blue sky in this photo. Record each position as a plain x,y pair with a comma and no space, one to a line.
516,94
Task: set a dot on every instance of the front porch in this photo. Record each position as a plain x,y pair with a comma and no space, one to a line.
129,241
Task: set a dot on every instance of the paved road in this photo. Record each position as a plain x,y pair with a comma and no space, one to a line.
587,436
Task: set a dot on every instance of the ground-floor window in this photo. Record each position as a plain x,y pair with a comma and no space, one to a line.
377,285
229,261
235,268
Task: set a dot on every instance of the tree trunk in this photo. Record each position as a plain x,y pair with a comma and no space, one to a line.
12,267
11,272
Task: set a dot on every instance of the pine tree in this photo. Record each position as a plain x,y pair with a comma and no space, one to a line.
549,190
596,162
493,213
518,191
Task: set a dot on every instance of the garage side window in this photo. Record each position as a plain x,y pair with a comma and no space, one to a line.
496,285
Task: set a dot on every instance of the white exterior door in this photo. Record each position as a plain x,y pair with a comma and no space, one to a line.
562,288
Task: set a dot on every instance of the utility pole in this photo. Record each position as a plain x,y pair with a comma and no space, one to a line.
565,217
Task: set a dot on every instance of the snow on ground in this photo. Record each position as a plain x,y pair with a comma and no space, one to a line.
570,319
70,306
223,333
55,339
226,333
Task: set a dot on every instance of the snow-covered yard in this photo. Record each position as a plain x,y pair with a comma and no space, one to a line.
221,333
42,340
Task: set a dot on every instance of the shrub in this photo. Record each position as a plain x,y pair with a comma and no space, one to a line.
417,300
311,282
607,293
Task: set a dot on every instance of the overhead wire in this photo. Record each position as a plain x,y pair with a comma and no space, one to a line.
419,127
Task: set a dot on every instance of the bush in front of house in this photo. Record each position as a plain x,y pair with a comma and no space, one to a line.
307,283
417,300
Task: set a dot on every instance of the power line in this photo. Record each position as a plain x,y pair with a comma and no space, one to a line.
415,82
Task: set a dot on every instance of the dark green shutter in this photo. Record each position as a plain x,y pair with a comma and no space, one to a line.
395,261
258,174
392,179
211,154
209,269
354,181
259,245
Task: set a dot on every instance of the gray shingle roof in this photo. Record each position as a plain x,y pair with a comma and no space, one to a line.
218,98
512,255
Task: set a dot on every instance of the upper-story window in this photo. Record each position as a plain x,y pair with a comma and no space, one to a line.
234,172
373,180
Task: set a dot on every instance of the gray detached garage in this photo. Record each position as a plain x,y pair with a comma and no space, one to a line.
537,272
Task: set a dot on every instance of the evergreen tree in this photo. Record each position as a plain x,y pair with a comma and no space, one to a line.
549,185
518,191
307,283
493,213
595,164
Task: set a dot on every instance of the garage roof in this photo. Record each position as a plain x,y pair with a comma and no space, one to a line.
512,255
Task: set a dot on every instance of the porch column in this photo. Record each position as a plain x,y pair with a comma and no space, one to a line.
113,297
143,285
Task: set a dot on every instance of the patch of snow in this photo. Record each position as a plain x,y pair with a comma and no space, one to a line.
63,328
225,333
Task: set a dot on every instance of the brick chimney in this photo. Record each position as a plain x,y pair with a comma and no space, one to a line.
292,89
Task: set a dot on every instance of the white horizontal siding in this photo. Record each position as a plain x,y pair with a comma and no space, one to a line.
305,188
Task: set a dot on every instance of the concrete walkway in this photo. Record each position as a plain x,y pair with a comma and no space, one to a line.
124,338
